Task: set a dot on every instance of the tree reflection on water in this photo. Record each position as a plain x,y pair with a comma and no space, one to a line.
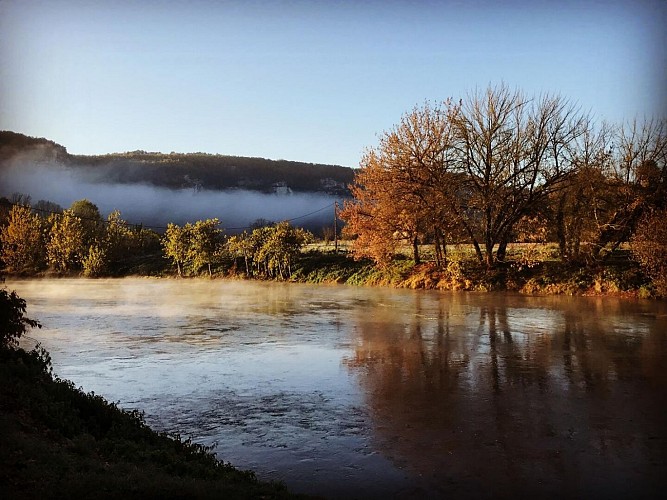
504,395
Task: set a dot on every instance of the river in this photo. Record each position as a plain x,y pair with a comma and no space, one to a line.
371,392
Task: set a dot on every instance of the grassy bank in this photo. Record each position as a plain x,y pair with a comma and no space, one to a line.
58,442
529,269
530,272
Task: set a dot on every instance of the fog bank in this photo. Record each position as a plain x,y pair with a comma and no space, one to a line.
156,206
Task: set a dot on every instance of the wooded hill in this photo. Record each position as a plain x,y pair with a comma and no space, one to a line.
182,170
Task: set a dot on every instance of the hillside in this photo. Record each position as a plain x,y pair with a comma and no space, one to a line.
180,170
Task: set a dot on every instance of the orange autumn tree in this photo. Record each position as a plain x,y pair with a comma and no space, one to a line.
374,216
399,191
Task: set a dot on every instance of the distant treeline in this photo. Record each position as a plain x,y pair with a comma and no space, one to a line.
179,170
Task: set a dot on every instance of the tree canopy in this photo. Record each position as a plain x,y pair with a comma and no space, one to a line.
21,240
477,169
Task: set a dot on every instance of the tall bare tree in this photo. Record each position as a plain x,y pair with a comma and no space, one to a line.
512,152
576,210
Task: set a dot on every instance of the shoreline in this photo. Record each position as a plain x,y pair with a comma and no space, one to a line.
588,283
539,273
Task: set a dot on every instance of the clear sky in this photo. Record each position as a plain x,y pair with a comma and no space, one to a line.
313,81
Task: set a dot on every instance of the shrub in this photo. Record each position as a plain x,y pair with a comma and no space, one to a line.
95,263
13,322
649,247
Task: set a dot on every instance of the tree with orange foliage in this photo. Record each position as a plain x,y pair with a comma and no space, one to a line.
477,167
403,188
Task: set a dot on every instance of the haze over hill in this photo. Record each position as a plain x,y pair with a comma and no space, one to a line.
156,188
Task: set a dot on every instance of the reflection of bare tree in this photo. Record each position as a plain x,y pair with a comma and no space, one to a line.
495,396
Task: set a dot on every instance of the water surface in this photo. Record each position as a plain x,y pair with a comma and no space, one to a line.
343,391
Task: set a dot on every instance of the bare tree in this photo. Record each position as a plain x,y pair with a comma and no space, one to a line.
575,210
636,183
512,153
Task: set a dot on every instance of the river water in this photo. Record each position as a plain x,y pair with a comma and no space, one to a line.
369,392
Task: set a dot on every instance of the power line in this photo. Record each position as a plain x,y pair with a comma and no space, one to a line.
142,225
286,220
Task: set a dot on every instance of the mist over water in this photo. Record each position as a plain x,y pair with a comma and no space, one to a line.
156,206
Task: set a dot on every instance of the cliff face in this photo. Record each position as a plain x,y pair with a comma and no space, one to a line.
176,170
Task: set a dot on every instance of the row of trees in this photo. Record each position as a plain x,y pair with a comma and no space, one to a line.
268,250
500,166
69,240
78,239
194,245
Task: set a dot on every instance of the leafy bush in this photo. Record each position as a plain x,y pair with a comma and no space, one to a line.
21,246
13,322
649,247
95,263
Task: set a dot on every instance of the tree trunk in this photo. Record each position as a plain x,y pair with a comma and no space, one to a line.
478,250
560,229
438,249
576,246
475,244
489,254
501,254
415,249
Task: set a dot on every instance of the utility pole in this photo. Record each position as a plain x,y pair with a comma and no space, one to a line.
336,226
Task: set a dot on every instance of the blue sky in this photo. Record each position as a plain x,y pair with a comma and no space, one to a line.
310,81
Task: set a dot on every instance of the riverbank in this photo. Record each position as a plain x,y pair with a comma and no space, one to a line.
59,442
534,272
620,276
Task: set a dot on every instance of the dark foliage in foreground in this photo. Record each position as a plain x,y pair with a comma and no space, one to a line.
13,322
